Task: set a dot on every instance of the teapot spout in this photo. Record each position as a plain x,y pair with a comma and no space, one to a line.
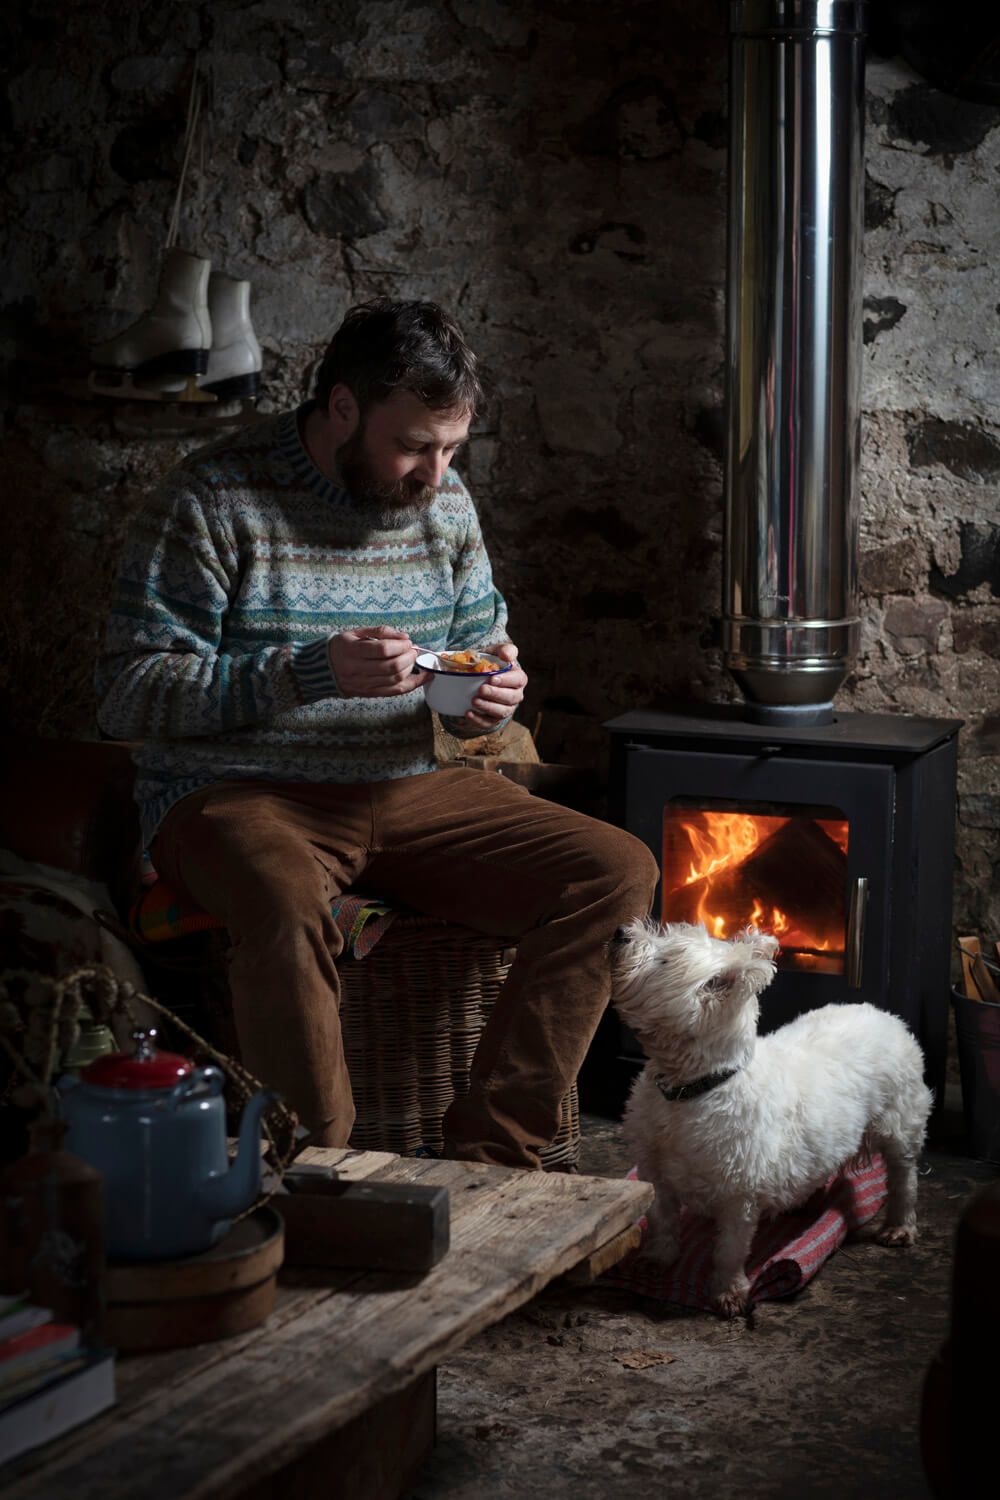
235,1190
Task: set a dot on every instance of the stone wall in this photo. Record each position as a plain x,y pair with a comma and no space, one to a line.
555,174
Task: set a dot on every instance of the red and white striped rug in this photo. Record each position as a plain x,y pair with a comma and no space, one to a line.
787,1251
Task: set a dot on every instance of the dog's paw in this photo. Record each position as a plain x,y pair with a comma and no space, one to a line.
897,1235
730,1294
733,1303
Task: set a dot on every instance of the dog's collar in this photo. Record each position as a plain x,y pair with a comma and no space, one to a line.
677,1092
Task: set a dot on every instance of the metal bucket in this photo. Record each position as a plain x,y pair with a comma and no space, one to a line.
977,1027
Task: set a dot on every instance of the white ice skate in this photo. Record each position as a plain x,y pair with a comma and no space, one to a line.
161,356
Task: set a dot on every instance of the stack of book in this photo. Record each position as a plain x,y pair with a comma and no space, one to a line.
50,1380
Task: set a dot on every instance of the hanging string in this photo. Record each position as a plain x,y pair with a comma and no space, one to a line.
191,136
67,999
204,146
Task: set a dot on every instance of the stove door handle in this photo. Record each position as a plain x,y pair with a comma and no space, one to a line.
856,932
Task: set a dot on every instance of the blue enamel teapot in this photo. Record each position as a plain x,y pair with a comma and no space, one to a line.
155,1126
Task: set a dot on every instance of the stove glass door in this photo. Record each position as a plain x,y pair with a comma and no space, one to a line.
800,848
732,865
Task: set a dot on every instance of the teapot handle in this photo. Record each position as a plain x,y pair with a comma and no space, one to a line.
205,1083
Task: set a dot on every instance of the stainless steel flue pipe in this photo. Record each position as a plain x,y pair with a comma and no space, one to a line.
796,203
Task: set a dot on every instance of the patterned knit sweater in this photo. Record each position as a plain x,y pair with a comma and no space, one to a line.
233,579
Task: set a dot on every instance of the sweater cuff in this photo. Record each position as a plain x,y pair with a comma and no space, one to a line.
313,672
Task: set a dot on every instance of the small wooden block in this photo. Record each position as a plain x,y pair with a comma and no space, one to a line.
375,1226
969,950
984,981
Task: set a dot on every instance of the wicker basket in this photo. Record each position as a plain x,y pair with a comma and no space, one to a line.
412,1012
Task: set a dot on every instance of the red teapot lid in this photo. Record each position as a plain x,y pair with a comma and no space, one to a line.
145,1068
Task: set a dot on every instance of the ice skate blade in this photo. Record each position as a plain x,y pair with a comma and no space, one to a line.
172,418
244,387
122,387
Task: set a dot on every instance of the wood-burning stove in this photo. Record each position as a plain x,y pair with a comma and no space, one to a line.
834,831
838,838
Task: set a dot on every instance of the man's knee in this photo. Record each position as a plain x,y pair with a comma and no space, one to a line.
639,875
628,855
642,867
627,871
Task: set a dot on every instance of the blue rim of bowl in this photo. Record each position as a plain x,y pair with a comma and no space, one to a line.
502,666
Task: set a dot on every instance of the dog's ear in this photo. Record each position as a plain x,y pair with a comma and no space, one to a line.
719,984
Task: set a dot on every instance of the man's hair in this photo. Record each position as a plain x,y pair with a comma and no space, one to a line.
384,346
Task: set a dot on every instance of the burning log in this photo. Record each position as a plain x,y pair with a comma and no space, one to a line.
802,872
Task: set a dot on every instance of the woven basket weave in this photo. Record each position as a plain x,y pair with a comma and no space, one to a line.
412,1012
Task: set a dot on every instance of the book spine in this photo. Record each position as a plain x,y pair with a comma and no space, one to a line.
35,1345
20,1319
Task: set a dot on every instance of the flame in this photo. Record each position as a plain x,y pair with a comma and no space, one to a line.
726,840
731,837
703,847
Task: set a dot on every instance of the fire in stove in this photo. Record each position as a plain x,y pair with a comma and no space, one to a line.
783,874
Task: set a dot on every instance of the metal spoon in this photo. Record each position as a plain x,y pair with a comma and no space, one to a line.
440,656
427,651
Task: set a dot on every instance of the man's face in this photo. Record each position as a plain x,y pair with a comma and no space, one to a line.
395,460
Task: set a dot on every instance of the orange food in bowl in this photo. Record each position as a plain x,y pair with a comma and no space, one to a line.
467,661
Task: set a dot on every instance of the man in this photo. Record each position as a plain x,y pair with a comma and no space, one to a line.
262,646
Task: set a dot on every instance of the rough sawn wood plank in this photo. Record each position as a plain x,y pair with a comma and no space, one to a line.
203,1423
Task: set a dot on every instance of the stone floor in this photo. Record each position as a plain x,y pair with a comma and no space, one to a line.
821,1397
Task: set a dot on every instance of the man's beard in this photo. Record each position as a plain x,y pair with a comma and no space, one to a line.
389,507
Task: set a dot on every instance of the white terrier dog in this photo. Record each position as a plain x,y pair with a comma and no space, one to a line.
737,1126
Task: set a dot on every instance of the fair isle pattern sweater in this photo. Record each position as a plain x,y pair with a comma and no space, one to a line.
233,579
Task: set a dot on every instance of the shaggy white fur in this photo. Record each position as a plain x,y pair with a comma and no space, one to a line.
800,1104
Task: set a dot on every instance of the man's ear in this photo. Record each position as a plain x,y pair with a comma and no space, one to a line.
343,412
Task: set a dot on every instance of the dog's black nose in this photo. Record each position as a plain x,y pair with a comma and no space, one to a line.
621,934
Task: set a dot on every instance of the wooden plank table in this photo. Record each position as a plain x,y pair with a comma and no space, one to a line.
334,1393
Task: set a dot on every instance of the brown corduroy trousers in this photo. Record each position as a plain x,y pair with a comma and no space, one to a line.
267,858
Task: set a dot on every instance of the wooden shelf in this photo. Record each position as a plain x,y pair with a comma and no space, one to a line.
140,418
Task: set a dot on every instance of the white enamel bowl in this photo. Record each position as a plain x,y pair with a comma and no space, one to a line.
453,692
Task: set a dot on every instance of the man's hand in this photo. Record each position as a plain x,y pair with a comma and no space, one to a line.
499,696
375,662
